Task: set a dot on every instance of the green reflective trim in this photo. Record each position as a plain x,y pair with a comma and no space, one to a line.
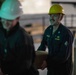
5,50
48,35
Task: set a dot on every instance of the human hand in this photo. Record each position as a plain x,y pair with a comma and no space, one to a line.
1,73
44,65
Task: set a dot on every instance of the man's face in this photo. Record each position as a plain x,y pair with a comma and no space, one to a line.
54,19
8,24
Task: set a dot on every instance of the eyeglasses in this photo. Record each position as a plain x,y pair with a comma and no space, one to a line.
3,20
54,15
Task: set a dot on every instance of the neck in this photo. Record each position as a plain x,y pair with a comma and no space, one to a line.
56,26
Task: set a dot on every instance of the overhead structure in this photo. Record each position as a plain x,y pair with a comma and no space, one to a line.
35,6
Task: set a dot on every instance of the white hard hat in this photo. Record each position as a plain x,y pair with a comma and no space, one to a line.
11,9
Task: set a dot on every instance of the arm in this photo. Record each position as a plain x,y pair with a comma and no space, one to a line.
25,54
42,47
30,53
43,44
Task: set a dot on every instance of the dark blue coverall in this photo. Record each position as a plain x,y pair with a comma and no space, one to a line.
17,53
59,44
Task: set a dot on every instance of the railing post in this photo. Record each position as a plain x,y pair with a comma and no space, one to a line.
43,23
72,20
73,54
65,20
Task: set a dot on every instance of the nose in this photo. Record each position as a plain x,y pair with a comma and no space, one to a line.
52,17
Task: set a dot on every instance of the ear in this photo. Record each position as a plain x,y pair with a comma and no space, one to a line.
61,16
17,18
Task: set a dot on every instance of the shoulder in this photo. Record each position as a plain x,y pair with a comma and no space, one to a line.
24,34
23,31
48,29
66,31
